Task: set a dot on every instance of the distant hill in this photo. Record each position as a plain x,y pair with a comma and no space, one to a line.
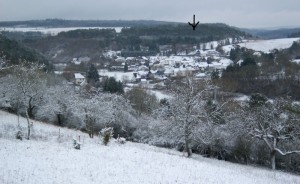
137,38
82,23
80,43
272,34
294,35
184,33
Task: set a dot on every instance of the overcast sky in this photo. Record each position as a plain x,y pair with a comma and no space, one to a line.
241,13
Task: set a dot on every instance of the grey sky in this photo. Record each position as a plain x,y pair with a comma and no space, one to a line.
241,13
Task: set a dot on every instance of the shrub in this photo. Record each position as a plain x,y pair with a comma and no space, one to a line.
257,100
19,135
242,149
106,134
76,144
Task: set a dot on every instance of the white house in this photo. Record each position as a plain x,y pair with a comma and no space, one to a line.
79,78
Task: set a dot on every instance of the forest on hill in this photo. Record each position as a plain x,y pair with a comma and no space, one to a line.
92,42
81,23
13,52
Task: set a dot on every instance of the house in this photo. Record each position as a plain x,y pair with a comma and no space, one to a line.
79,78
164,49
76,61
212,53
144,81
120,59
117,68
144,48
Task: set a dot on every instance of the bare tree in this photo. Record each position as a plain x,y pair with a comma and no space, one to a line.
30,84
274,123
187,111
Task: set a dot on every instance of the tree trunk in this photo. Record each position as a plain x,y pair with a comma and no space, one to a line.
273,163
30,109
187,140
59,119
92,128
18,112
187,147
28,125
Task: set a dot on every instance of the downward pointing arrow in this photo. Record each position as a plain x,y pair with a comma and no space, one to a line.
194,25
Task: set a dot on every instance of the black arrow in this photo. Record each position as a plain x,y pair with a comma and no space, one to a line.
194,25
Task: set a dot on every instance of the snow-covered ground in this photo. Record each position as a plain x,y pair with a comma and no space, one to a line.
53,31
159,94
296,61
45,160
264,45
119,76
268,45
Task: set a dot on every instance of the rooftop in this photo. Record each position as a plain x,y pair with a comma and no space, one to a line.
78,76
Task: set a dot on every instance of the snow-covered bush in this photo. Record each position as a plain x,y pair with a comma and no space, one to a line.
76,143
106,133
121,140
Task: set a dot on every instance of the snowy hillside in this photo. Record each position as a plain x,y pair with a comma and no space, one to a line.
47,159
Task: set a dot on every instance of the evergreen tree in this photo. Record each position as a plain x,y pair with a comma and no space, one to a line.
257,100
112,86
215,75
204,46
92,75
233,54
126,67
227,41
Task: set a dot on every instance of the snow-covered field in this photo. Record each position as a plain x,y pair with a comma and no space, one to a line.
44,160
265,45
53,31
159,94
296,61
119,76
268,45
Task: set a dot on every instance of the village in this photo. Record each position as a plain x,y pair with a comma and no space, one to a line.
147,70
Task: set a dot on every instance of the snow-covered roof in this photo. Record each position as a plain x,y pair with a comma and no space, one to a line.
296,61
201,75
202,64
58,72
227,48
142,72
77,62
257,54
120,59
225,62
130,58
78,76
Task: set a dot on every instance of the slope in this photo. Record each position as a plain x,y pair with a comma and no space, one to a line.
44,159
